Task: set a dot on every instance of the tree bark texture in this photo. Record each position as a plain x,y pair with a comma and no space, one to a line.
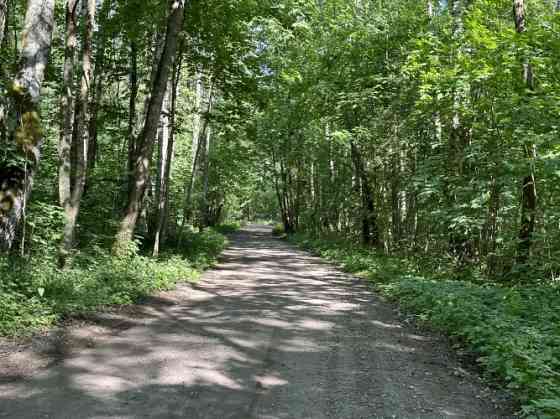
165,146
67,103
146,138
3,18
98,85
79,161
370,229
16,180
132,116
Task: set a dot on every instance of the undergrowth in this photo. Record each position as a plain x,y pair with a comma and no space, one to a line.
35,294
515,331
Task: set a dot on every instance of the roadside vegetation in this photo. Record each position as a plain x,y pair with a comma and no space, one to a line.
36,295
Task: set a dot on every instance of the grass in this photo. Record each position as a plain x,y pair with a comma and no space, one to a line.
514,331
35,294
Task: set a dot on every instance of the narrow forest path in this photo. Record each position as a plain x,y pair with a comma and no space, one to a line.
271,333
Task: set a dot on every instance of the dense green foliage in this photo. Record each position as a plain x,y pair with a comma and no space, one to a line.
414,123
424,131
35,291
36,295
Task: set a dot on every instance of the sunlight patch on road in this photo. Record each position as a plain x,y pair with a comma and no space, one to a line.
267,381
385,325
314,324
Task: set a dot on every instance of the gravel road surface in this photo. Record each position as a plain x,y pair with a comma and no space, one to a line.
271,333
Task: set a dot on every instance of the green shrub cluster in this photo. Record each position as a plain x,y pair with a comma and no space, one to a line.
515,331
278,230
35,294
200,249
228,228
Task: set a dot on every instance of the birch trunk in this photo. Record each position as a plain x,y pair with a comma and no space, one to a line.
162,176
67,103
3,17
204,211
3,20
72,205
205,98
166,169
16,181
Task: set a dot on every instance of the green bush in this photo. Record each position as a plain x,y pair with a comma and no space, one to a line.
200,249
35,294
514,331
278,229
227,228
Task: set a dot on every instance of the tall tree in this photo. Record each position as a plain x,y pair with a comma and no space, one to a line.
72,194
204,104
165,152
132,116
98,83
529,188
67,104
145,141
19,165
3,17
3,29
370,229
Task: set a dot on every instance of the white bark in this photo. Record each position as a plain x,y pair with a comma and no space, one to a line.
74,195
3,16
16,182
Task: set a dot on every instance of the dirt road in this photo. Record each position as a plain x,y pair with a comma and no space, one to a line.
271,333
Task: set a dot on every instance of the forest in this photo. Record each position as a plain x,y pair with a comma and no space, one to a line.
414,143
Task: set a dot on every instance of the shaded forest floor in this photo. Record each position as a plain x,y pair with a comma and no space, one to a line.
272,332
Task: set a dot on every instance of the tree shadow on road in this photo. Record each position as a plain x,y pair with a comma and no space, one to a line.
271,333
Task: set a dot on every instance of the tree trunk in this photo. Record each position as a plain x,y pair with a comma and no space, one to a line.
98,86
67,103
172,107
370,230
165,154
190,185
519,15
133,83
397,199
144,149
528,189
430,9
16,180
3,30
72,205
492,226
204,216
3,18
205,98
170,149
